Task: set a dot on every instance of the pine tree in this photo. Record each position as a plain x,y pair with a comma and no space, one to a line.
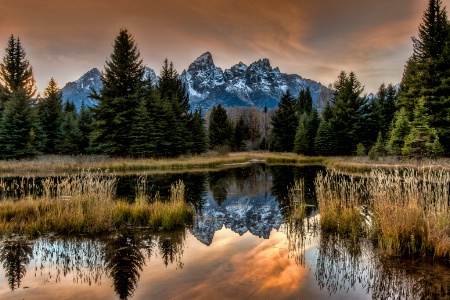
20,132
306,133
419,141
197,128
50,115
15,70
123,88
325,142
69,133
219,129
304,102
284,125
379,149
172,91
85,125
141,145
240,135
348,113
400,129
428,71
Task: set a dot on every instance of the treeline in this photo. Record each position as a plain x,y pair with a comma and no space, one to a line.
139,118
414,122
133,117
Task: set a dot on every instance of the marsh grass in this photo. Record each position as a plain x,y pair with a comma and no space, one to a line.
86,203
407,211
339,199
297,204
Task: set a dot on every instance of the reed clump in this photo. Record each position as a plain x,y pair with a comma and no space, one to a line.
339,200
86,203
407,211
297,203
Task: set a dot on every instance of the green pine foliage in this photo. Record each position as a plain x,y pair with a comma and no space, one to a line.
21,135
85,125
325,142
284,125
379,149
196,126
69,132
240,135
347,110
16,72
427,72
400,129
141,145
304,102
172,91
360,150
123,87
306,133
49,111
420,140
219,129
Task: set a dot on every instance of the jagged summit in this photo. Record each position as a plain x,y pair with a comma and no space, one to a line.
79,90
257,84
241,85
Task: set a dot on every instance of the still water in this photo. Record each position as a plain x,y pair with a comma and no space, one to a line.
240,246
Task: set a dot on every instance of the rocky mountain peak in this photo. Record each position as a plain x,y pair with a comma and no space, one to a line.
203,62
262,64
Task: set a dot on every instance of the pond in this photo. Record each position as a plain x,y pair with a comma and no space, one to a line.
240,246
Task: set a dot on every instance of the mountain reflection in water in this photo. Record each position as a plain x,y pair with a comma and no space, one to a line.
241,245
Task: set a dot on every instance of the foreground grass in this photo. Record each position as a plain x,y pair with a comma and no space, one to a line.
86,203
57,164
403,212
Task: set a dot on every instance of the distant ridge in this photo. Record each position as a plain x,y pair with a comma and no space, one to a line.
255,85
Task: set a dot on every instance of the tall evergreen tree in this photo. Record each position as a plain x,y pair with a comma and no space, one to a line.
428,71
172,91
16,71
400,129
348,112
123,87
141,145
69,133
284,125
219,129
240,135
85,126
196,126
325,142
306,133
304,102
419,142
20,132
50,115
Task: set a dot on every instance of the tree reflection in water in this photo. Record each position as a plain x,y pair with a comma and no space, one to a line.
120,257
171,248
15,256
343,264
123,263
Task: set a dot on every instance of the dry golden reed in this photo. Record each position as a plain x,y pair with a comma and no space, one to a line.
407,211
86,203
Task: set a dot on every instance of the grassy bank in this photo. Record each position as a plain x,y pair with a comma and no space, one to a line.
86,203
56,164
404,212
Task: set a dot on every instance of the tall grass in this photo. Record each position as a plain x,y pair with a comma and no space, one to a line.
408,211
86,203
339,199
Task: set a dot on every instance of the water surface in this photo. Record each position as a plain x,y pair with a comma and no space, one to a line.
240,246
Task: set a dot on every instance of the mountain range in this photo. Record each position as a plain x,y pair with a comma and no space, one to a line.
255,85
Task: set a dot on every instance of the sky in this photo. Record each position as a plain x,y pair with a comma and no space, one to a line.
314,39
